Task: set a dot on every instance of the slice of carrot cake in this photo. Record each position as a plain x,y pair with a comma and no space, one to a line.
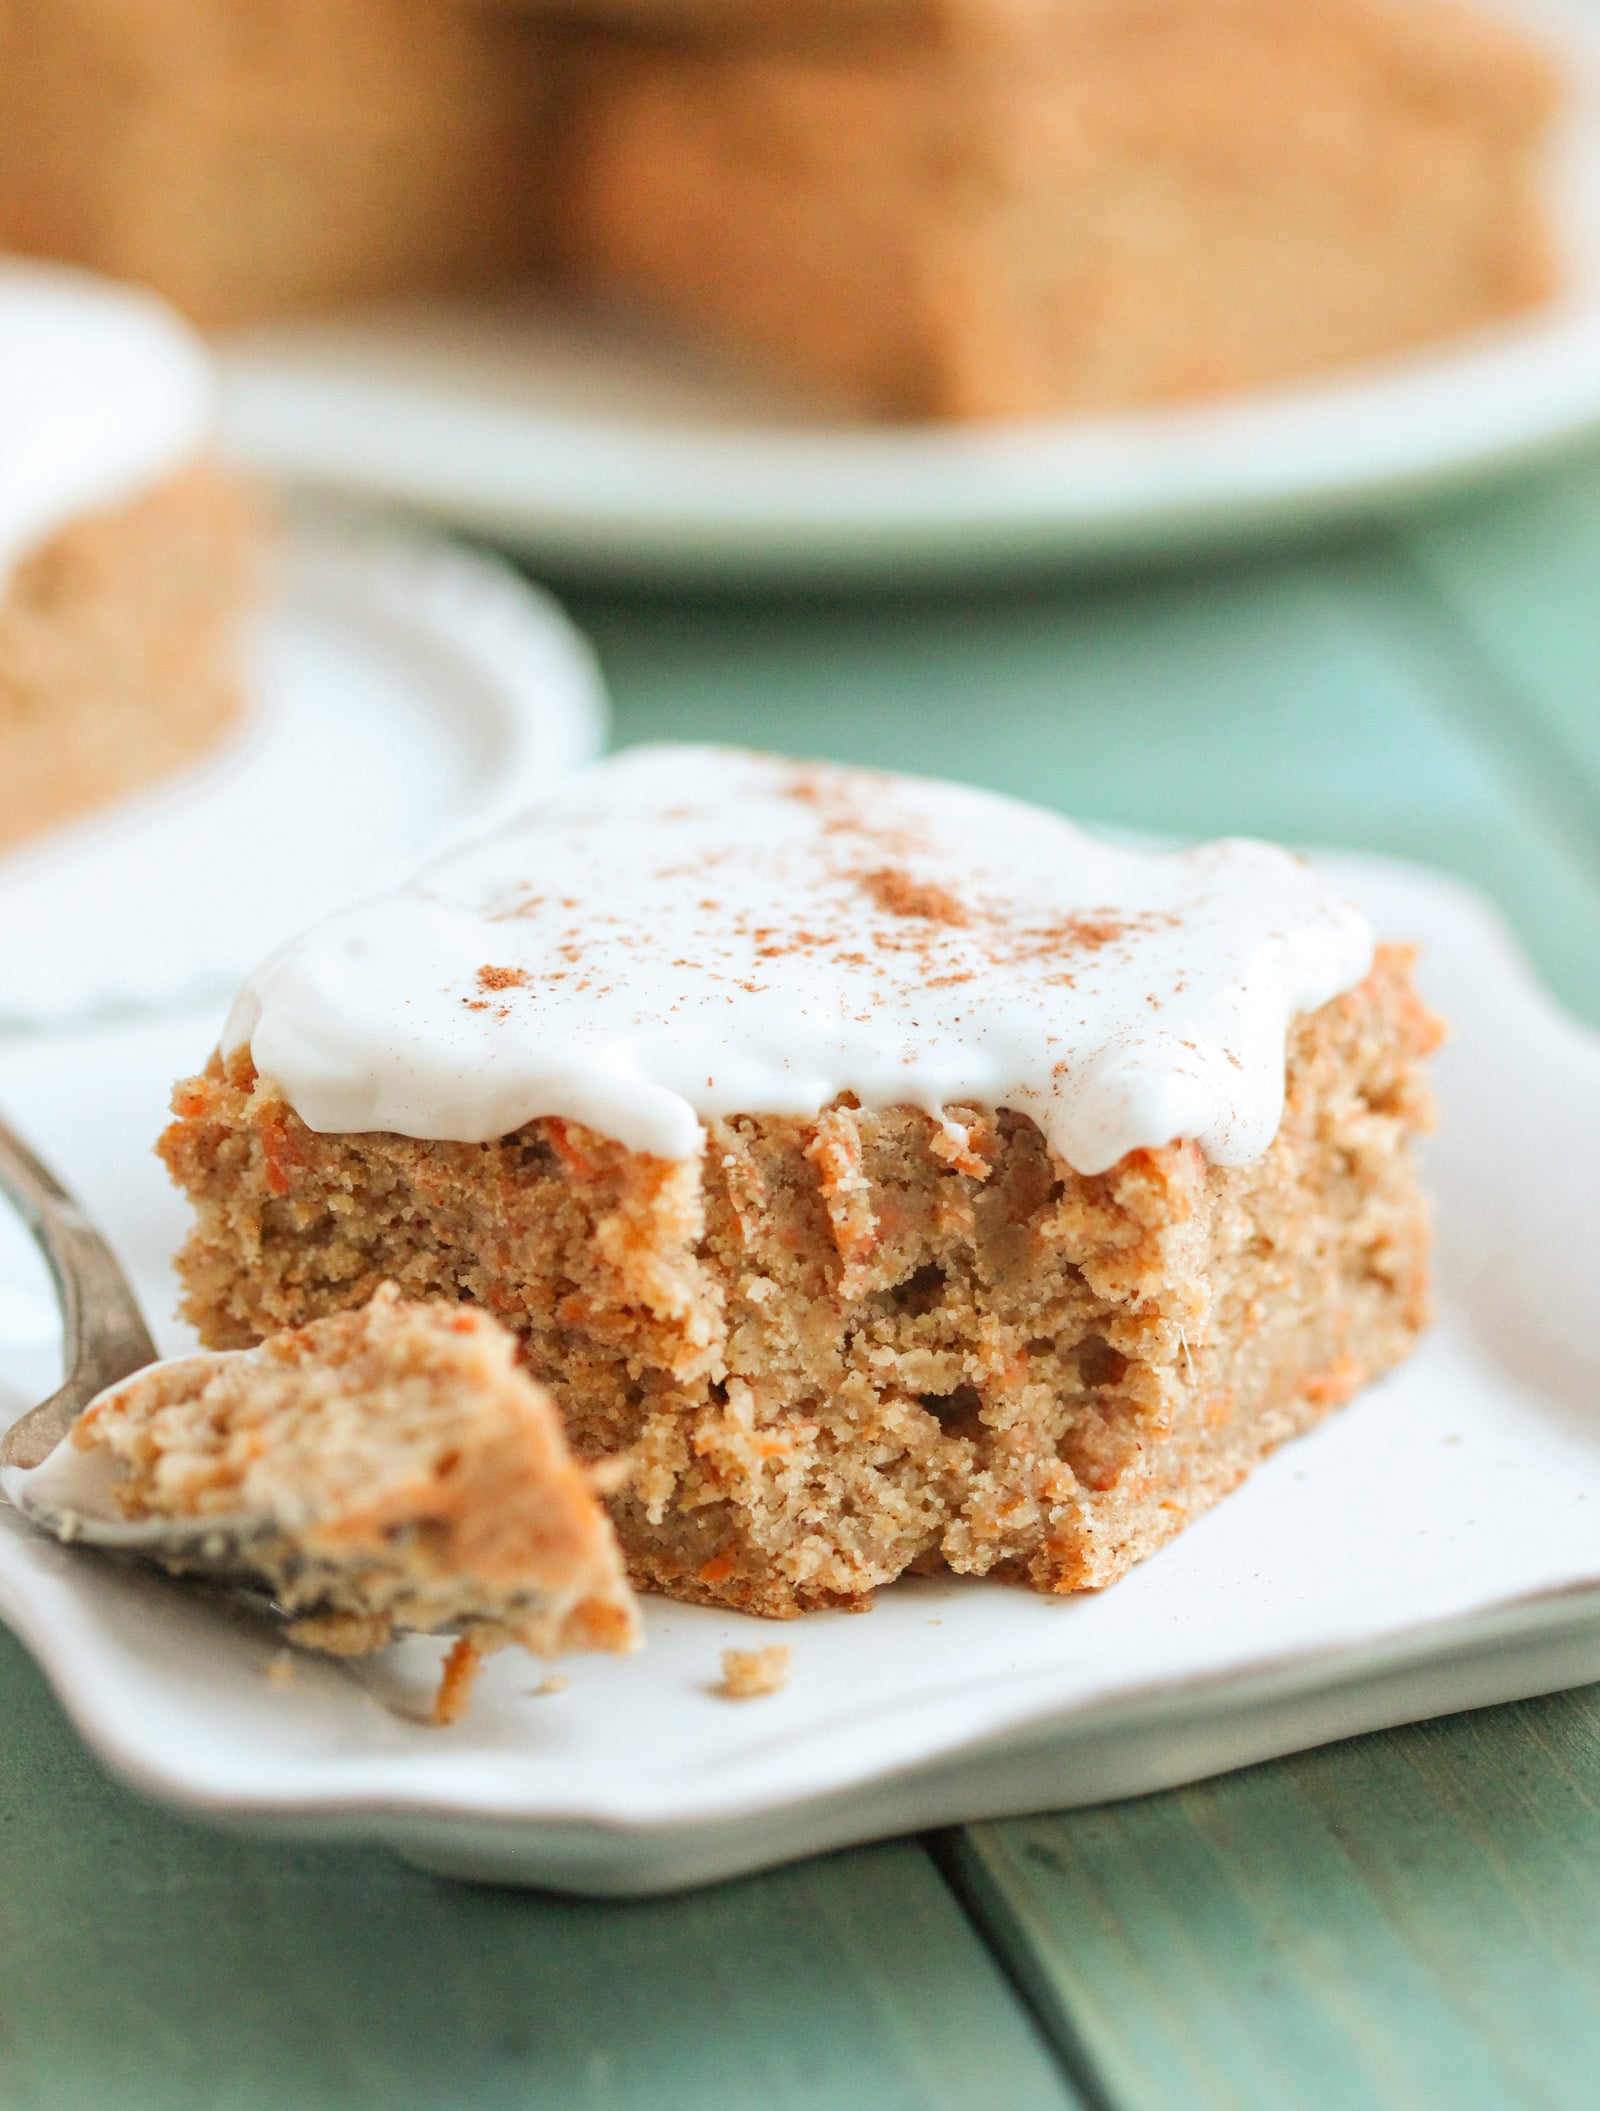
394,1468
250,158
125,554
1076,205
904,1177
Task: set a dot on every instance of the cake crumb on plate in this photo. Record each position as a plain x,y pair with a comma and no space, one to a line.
749,1674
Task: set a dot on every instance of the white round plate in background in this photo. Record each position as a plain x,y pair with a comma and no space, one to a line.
630,456
403,695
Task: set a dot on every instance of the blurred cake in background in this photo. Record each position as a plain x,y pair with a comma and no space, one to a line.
1095,204
124,553
814,24
935,209
795,21
251,157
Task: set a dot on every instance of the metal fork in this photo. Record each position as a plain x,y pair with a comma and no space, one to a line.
106,1341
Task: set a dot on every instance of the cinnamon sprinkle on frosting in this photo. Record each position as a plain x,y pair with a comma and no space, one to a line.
901,895
902,940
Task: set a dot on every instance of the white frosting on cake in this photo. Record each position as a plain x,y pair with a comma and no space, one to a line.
682,932
104,393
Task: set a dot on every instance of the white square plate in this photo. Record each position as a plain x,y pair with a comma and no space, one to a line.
1434,1546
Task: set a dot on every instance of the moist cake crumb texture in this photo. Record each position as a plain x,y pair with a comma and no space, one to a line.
841,1341
403,1472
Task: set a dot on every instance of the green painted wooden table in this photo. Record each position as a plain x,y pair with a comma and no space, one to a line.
1406,1920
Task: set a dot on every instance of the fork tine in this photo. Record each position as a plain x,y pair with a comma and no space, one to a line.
105,1337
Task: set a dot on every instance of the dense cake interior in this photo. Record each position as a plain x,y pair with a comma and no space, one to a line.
399,1470
899,1175
846,1346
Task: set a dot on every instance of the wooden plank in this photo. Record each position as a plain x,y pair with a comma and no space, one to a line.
1518,576
1401,1921
151,1966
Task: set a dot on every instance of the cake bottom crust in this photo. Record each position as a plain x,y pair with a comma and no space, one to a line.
119,646
839,1349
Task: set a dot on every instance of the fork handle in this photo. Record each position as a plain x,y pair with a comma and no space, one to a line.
105,1337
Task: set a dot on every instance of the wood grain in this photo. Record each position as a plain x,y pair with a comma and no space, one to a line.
1405,1920
1517,578
149,1965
